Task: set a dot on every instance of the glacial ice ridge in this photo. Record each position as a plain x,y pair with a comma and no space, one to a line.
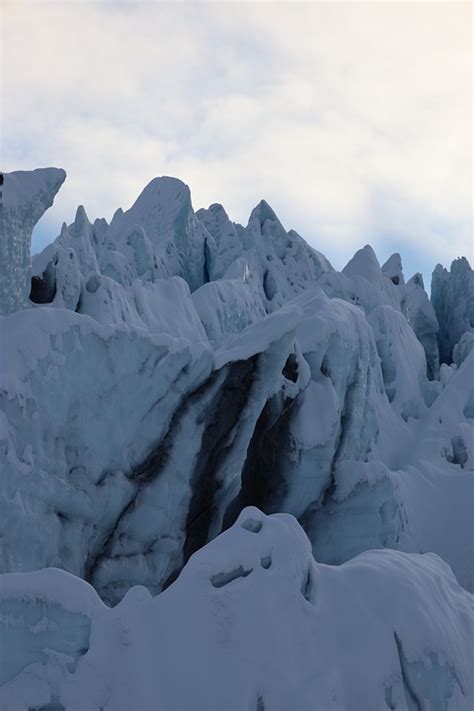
171,382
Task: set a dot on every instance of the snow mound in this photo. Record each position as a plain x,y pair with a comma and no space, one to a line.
400,620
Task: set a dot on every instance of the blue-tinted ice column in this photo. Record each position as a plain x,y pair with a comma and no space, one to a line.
25,197
452,296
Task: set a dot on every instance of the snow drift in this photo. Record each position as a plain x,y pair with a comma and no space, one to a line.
253,622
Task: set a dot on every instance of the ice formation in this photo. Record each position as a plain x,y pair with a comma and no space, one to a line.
453,301
25,197
171,370
422,318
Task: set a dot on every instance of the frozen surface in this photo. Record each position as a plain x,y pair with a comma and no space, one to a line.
422,318
25,197
362,282
252,622
452,294
394,270
173,368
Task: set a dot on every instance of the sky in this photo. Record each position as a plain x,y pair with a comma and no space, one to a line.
352,119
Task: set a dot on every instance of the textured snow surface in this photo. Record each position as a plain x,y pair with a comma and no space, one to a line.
170,370
253,622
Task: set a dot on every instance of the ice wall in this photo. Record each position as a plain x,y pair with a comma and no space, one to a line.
177,367
26,195
452,295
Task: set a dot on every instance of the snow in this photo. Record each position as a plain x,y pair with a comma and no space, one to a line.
171,370
258,337
362,282
316,418
171,239
402,360
226,307
278,263
252,621
394,270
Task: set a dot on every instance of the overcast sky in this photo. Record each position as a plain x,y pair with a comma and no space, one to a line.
352,119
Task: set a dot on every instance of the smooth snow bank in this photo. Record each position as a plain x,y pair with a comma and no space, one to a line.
253,622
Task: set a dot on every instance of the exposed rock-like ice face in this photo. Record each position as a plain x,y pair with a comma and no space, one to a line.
452,295
252,622
422,318
26,195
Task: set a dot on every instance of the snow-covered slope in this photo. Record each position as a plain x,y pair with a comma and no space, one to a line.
173,368
253,622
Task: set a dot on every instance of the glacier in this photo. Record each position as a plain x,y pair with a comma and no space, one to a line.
220,453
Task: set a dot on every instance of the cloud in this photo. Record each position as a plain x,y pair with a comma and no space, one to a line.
352,119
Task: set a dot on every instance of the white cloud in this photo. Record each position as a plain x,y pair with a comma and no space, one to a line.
352,119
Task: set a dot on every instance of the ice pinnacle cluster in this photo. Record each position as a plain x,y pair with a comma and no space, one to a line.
197,410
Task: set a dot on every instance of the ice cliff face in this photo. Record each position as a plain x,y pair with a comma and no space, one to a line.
173,368
453,302
422,318
25,197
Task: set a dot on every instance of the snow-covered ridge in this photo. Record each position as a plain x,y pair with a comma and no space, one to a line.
173,368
